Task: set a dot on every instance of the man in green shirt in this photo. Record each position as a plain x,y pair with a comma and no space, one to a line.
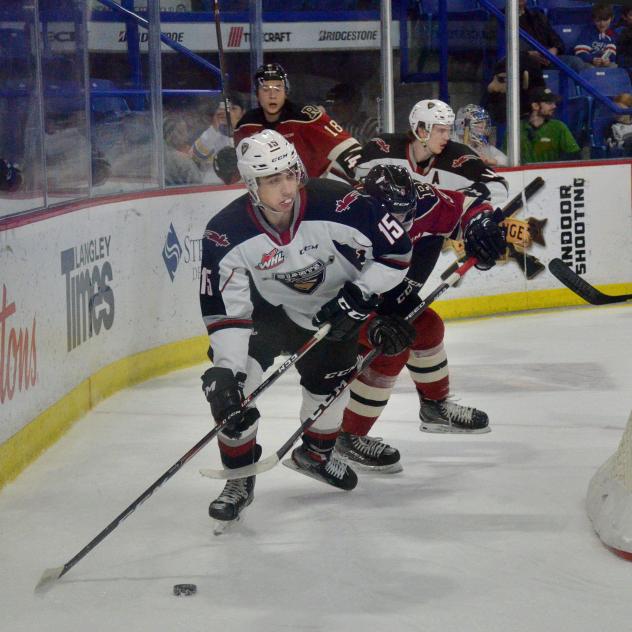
543,138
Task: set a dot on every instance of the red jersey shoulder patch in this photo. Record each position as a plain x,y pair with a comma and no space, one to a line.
347,201
461,160
216,238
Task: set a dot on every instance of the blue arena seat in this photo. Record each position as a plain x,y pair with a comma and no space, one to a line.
569,34
609,81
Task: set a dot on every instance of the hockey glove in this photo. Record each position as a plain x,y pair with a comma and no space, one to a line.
402,299
225,165
224,392
346,312
392,334
485,240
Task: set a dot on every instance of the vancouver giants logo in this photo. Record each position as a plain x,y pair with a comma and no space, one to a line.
461,160
304,281
347,201
216,238
382,145
271,260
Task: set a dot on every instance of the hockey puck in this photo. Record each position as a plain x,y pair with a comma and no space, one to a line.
184,590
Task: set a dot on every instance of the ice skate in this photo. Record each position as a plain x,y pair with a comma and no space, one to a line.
228,507
448,417
367,453
332,471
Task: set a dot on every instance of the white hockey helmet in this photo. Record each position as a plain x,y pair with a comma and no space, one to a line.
430,112
264,154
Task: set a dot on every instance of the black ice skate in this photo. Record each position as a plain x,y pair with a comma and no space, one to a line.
235,497
367,453
446,416
332,471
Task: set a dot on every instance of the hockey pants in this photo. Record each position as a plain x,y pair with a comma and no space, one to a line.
428,366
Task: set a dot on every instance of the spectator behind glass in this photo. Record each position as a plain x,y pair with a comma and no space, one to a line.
473,128
343,104
596,45
537,24
494,100
179,165
619,136
210,148
623,38
543,138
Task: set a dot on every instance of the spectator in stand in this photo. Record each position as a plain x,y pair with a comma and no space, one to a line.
623,38
179,165
473,128
537,24
596,43
495,98
543,138
343,103
619,135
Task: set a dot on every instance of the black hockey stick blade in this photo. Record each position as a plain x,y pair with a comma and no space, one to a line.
581,287
48,579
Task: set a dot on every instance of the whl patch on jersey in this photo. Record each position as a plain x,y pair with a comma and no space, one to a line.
383,145
344,204
305,280
217,239
271,260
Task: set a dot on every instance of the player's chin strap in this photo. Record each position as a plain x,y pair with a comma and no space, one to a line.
51,575
271,461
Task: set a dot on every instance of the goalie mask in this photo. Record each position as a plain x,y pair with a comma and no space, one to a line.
472,124
265,154
393,188
271,72
428,113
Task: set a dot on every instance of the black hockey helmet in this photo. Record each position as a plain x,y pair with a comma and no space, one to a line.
393,187
272,72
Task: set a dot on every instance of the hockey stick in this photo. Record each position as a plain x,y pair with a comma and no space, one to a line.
51,575
222,67
581,287
271,461
365,359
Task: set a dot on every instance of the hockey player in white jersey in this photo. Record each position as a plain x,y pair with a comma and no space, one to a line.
427,214
277,263
431,156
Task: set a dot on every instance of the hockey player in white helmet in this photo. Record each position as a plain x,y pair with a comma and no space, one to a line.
427,152
279,262
473,128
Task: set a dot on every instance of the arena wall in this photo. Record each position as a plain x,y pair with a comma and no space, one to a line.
100,295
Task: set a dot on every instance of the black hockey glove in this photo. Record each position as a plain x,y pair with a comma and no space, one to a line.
485,240
392,334
224,392
402,299
225,165
346,312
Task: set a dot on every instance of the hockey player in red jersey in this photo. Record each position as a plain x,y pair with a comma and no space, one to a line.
425,212
322,144
277,263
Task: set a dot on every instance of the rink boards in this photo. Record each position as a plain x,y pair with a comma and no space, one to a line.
100,295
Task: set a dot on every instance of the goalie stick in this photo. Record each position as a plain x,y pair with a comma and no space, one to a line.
271,461
51,575
581,287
